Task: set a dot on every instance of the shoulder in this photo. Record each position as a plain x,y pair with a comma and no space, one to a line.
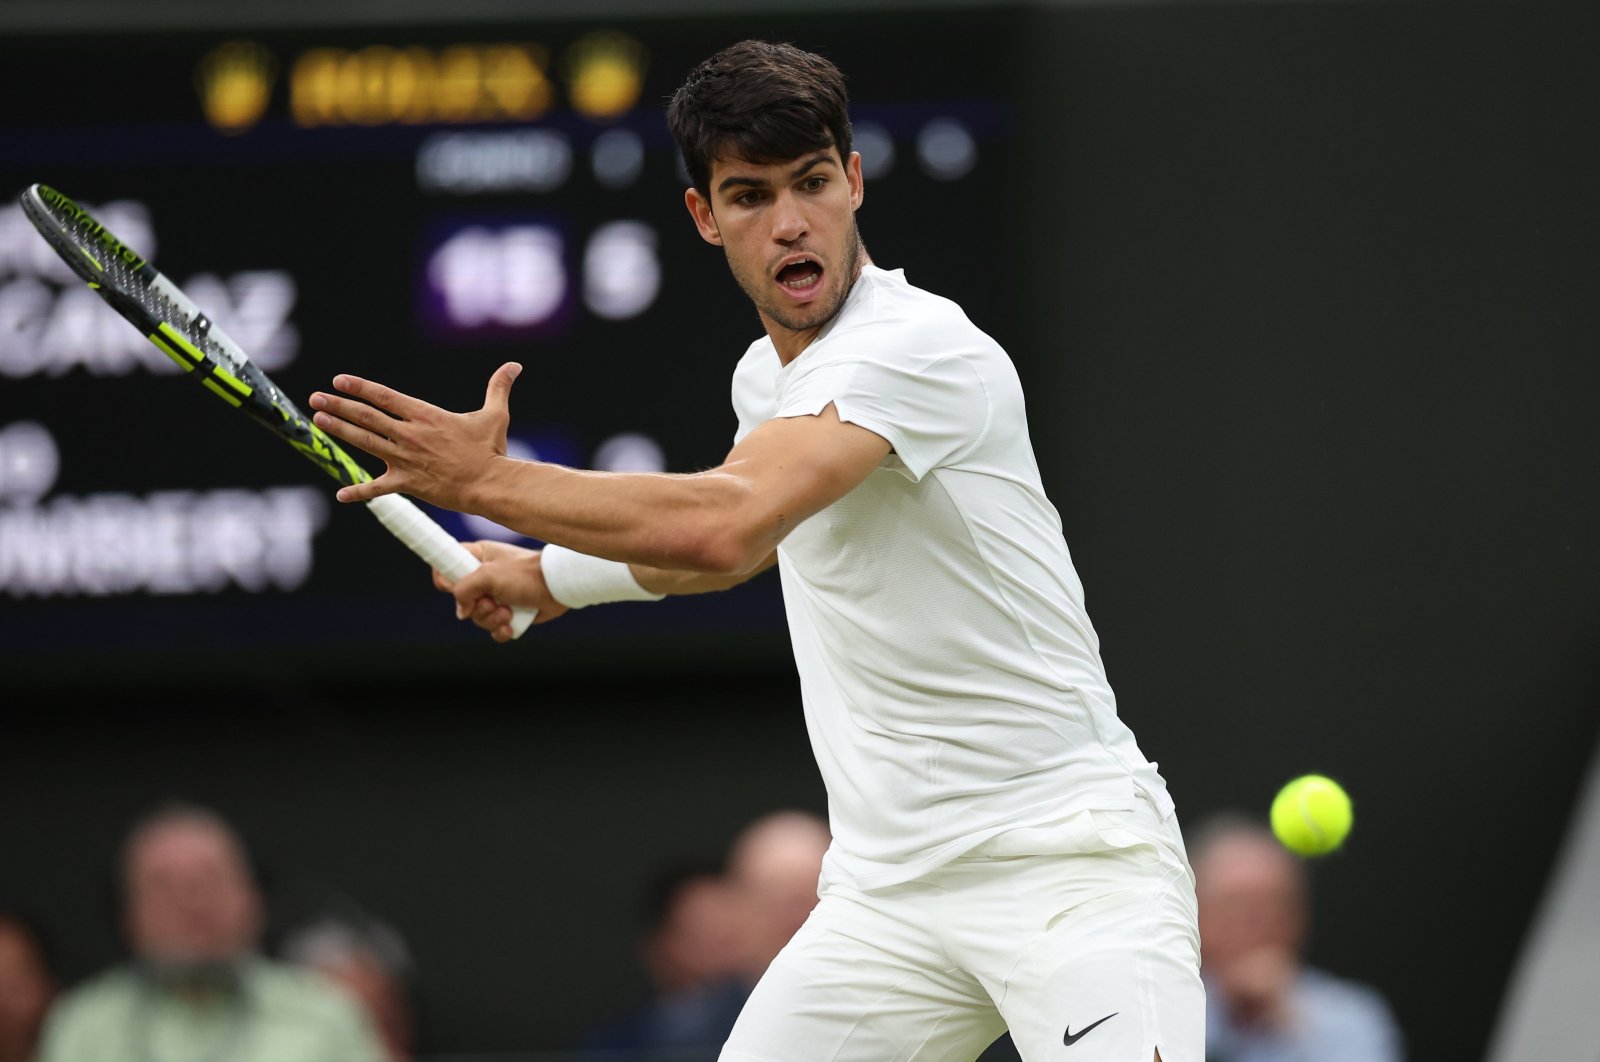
113,988
758,362
1330,990
889,318
755,385
120,977
308,1000
324,1018
94,1012
1358,1011
290,989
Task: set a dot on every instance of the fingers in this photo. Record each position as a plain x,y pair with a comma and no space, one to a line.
498,395
401,405
467,589
357,424
443,582
365,492
489,614
371,422
504,573
370,425
474,594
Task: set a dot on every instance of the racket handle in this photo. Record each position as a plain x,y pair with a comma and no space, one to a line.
435,545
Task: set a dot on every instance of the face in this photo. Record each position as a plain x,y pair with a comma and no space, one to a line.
1251,900
775,871
699,943
190,898
789,231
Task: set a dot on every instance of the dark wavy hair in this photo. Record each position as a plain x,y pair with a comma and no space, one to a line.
761,102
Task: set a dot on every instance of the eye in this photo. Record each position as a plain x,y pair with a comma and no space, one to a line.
747,198
814,183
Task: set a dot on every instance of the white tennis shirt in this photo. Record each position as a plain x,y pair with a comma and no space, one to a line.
952,682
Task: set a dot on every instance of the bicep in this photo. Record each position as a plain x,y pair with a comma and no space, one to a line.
794,467
729,519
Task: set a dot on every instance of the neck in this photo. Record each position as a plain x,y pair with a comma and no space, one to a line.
791,344
195,981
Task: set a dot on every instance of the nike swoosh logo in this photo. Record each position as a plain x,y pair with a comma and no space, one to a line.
1073,1037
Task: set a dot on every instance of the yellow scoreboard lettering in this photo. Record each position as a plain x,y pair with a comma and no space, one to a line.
514,79
382,85
312,86
459,79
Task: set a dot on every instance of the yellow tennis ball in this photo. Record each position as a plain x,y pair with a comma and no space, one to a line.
1311,815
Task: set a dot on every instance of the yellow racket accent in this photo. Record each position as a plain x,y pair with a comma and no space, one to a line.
216,389
177,346
162,345
243,389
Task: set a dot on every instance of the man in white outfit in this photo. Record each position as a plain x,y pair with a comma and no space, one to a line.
1004,856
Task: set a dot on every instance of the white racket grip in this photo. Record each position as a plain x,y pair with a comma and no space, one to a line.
435,545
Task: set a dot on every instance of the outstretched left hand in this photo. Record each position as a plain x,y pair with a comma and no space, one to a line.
429,453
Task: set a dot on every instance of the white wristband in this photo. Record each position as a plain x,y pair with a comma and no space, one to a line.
577,579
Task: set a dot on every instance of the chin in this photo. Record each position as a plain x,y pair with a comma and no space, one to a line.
814,315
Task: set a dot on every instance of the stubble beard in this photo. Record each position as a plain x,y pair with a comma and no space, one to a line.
825,309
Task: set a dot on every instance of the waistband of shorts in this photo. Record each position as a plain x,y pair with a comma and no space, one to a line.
1085,832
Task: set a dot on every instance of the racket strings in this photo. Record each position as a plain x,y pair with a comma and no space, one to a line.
133,282
126,278
166,316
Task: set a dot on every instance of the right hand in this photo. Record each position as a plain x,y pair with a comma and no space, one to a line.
429,453
509,577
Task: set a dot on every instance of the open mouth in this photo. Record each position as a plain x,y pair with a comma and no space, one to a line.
800,276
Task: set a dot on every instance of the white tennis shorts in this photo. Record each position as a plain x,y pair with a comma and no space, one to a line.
1080,937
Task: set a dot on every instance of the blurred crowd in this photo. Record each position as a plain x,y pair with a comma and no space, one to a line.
710,933
1264,1003
197,985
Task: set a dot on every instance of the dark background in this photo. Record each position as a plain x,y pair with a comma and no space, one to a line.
1304,298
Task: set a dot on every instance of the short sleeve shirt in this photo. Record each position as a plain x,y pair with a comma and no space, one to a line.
952,681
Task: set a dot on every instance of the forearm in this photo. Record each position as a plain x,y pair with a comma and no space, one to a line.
668,581
725,521
700,523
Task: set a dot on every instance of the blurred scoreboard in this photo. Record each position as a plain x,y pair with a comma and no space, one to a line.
416,205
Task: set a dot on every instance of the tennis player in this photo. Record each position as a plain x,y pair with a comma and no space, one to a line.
1003,854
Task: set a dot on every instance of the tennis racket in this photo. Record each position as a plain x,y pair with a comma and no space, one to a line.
160,310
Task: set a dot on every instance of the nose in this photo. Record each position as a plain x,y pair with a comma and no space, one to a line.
788,220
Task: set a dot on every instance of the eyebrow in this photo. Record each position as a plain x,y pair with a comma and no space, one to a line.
820,158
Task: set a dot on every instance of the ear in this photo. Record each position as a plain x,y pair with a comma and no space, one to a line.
704,220
852,173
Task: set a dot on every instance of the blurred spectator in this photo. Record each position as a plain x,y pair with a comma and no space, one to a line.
1263,1003
26,988
370,961
774,866
196,988
710,936
693,937
692,952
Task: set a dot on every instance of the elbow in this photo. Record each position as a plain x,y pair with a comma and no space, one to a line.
731,537
726,551
728,547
